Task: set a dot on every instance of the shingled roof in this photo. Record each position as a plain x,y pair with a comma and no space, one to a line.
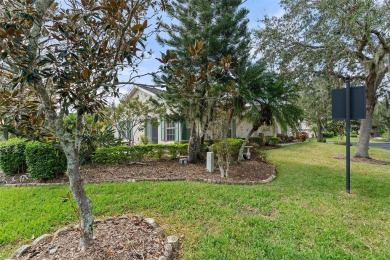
154,90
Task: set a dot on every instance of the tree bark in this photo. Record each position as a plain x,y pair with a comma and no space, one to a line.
242,148
195,146
83,202
255,127
388,133
319,131
366,124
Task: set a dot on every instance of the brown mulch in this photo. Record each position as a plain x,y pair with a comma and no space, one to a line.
123,238
251,171
363,160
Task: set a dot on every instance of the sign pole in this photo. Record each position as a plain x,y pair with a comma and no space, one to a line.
348,134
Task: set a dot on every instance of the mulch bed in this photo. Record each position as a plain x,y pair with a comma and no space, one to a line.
247,172
363,160
122,238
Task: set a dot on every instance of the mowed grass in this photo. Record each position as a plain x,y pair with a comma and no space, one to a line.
303,214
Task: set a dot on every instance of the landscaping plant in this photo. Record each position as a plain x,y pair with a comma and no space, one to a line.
12,158
44,161
58,57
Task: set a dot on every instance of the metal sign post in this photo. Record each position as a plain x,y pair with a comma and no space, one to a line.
348,134
347,104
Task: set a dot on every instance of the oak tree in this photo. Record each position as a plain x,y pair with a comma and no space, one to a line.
333,38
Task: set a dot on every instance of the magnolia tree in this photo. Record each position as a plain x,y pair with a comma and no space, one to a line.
321,37
65,58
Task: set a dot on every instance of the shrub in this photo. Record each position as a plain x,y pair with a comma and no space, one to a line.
12,158
44,161
144,139
285,138
271,140
256,140
124,154
353,134
327,134
233,147
159,152
301,136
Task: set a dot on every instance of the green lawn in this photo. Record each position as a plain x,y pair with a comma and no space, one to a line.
338,139
303,214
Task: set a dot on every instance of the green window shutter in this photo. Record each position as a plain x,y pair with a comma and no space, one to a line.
184,132
234,132
177,131
162,129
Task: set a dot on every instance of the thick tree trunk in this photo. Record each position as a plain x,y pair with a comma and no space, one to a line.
364,137
366,124
388,133
195,146
319,131
83,202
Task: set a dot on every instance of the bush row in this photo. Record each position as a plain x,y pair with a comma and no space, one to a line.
42,161
12,158
233,146
124,154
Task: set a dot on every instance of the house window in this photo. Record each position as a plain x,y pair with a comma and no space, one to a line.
170,130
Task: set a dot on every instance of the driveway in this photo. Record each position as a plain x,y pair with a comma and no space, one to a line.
377,145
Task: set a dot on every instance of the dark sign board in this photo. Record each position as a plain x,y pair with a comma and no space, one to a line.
358,103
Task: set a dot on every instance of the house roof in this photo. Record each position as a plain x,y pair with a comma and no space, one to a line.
150,90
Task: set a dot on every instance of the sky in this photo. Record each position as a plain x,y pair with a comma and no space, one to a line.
257,10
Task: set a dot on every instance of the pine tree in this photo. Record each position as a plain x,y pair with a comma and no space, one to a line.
202,34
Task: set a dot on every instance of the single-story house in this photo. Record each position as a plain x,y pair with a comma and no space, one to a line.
170,132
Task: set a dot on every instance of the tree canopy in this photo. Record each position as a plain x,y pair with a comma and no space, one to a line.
322,39
209,46
65,59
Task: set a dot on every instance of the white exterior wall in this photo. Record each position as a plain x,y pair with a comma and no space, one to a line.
242,127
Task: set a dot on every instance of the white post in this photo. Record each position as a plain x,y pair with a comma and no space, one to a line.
210,162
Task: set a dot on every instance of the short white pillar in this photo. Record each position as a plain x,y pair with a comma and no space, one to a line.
210,162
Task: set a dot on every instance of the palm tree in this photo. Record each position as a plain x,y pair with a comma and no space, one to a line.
268,97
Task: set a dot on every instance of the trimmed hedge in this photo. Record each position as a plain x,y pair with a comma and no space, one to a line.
327,134
256,140
271,140
234,145
124,154
12,158
44,161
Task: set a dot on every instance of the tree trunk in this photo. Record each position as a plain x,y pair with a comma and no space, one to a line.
366,124
319,131
83,202
71,145
388,133
220,164
195,147
242,148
